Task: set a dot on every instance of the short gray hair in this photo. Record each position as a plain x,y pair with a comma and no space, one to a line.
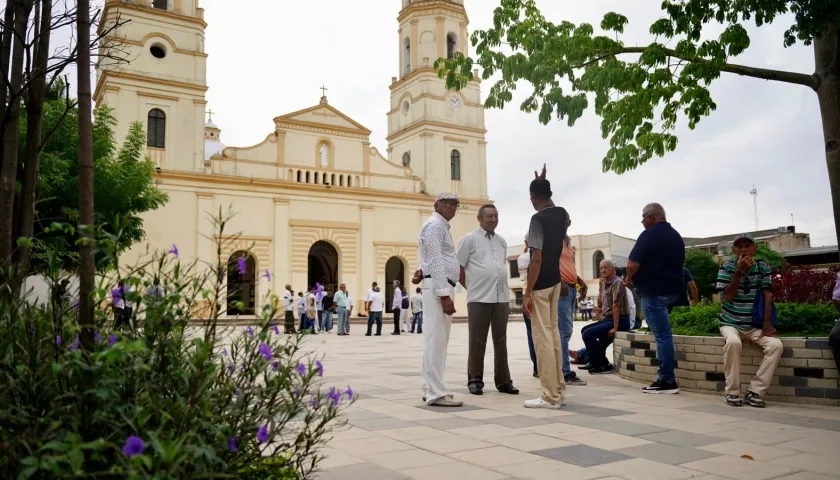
485,207
608,263
654,210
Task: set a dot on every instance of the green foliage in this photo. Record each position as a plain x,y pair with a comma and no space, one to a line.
638,91
795,319
704,269
197,396
772,257
123,178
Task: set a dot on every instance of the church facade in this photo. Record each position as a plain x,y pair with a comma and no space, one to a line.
314,201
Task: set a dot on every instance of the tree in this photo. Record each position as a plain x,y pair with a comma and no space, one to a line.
640,91
87,266
124,187
704,269
772,257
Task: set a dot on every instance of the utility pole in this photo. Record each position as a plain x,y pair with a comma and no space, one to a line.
754,193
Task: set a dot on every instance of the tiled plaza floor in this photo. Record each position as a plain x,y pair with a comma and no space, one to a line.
607,430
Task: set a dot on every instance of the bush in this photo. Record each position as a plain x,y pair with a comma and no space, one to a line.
805,285
161,399
795,319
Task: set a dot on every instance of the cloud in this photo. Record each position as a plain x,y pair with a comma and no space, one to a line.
272,60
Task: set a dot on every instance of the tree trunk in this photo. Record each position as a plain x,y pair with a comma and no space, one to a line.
827,63
34,126
11,135
86,266
6,54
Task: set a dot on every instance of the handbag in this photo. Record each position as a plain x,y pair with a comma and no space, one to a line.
758,311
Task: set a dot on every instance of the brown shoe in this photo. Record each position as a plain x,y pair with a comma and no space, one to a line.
447,402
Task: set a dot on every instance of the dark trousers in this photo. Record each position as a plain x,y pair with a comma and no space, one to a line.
289,323
483,317
375,317
397,321
531,351
597,339
834,341
122,316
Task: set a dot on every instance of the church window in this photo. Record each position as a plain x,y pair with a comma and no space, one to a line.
407,56
406,159
158,51
455,164
597,258
405,107
341,180
156,128
349,181
298,176
324,152
160,4
307,177
451,45
317,175
332,179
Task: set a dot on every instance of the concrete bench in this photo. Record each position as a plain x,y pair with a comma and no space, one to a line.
806,374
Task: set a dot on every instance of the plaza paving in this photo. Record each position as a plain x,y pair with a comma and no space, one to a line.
607,430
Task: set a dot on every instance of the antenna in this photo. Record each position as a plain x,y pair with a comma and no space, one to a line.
754,193
791,220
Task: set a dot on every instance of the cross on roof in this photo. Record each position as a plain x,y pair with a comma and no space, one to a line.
324,91
210,115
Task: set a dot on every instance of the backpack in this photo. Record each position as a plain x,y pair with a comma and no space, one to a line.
405,302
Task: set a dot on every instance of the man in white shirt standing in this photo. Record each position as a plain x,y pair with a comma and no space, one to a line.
396,306
366,301
340,300
482,255
417,310
300,306
289,310
375,306
438,271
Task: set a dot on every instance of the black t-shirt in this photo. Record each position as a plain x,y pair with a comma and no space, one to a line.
327,303
546,233
404,302
660,252
682,299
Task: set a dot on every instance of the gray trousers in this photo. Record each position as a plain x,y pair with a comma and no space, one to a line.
483,317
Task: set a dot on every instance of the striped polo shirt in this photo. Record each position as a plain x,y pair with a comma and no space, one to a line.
739,312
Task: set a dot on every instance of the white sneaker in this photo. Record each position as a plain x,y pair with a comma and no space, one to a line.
540,403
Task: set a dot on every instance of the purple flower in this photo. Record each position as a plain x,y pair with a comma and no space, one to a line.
262,434
319,368
133,446
313,402
335,396
276,330
75,306
97,337
230,368
232,444
266,275
265,351
296,392
301,369
112,339
75,345
349,392
31,329
250,331
224,352
58,340
275,366
174,250
241,265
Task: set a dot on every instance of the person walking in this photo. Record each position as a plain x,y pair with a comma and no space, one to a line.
655,267
289,310
438,272
482,255
542,294
300,306
340,300
396,307
417,310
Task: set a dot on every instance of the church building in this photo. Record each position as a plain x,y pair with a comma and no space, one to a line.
314,200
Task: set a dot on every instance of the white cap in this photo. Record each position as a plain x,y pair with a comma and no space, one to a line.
442,197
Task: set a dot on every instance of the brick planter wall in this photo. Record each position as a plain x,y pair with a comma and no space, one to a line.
806,374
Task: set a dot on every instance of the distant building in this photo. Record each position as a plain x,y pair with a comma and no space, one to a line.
780,239
589,251
817,257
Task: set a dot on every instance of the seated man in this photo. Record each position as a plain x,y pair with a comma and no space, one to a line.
614,304
581,357
740,279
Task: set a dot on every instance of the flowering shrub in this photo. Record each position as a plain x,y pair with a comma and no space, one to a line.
161,399
805,285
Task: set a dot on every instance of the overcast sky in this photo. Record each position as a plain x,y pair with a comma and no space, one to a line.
763,133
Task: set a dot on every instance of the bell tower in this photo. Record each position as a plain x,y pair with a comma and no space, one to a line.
438,132
152,69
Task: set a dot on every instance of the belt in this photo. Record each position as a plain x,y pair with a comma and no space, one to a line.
450,282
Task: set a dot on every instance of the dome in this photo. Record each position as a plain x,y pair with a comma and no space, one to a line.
210,124
212,140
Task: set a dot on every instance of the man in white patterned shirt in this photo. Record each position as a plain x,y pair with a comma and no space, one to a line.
439,270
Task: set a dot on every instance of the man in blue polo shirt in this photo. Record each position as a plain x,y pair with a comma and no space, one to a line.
656,268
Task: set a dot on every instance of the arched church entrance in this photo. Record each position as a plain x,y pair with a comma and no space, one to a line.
241,283
323,265
394,270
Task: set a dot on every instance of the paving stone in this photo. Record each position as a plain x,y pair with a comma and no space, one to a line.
520,421
582,455
360,471
386,423
664,453
463,408
361,415
450,423
611,425
406,374
594,411
683,439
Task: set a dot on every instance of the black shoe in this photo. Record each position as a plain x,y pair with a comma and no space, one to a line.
377,334
573,379
419,331
476,389
585,367
536,375
509,389
601,369
661,386
367,334
733,400
395,333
